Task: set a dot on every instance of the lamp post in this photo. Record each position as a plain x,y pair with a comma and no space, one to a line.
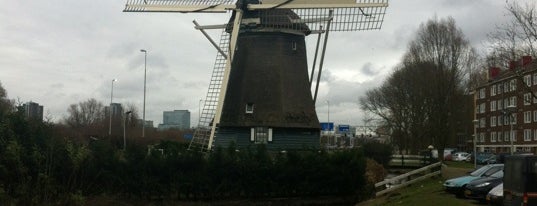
329,134
510,110
476,122
124,126
110,109
145,74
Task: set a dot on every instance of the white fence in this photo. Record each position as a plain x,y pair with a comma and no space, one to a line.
408,178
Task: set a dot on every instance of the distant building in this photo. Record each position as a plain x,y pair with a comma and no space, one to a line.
148,123
177,119
33,110
117,110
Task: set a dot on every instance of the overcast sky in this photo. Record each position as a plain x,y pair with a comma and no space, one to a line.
60,52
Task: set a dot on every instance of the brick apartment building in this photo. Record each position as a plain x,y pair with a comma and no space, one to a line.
505,108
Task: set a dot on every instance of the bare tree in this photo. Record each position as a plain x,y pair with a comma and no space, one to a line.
85,114
515,38
420,101
525,18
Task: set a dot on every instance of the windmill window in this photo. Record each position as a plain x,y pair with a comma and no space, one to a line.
250,108
261,135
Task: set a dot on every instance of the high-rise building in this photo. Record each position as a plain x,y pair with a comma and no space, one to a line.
33,110
117,110
177,119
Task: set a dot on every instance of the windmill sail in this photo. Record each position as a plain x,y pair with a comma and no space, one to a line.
179,5
201,137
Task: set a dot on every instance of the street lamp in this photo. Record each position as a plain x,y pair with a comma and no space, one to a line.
510,110
329,134
476,122
110,109
145,74
124,126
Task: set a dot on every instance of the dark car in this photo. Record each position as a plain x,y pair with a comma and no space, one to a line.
480,187
485,158
457,185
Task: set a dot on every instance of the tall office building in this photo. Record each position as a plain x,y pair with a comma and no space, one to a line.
33,110
177,119
117,110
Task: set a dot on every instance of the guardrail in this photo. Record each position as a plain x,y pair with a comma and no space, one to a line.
415,161
408,178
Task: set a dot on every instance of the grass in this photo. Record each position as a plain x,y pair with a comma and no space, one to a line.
468,165
428,192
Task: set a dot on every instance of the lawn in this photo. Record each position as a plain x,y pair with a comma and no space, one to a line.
428,192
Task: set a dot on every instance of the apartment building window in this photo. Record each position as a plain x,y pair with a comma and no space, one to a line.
493,105
535,134
535,115
482,137
500,88
506,87
482,122
493,121
500,104
512,85
513,118
505,102
493,136
527,135
535,79
512,101
527,99
482,93
500,136
534,98
493,90
527,80
506,136
482,108
527,117
513,135
500,120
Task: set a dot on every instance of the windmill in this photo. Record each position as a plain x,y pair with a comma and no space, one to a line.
260,90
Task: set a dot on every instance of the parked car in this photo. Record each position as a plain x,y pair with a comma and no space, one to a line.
457,185
447,153
480,187
485,158
495,196
461,156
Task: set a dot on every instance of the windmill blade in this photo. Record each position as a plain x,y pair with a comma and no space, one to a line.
353,15
183,6
315,4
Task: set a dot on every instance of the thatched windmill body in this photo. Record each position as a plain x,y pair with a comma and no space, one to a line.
260,90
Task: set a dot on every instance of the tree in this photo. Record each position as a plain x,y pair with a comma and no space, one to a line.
86,118
525,18
516,38
420,101
6,105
